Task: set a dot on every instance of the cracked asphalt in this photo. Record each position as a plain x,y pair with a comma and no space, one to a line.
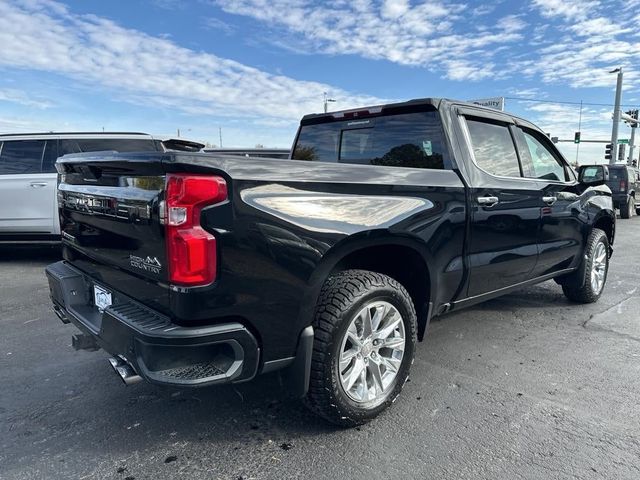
528,386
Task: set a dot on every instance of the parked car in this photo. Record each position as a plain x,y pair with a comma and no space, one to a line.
624,182
28,210
199,269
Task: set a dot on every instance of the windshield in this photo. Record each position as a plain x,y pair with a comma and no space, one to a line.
402,140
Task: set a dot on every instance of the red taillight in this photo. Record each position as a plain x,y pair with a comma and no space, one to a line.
623,185
191,250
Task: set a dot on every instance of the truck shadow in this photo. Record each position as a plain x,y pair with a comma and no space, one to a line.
233,417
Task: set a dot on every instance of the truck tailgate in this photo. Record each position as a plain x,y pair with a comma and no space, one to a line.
110,222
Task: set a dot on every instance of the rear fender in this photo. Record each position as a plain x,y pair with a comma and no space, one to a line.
332,258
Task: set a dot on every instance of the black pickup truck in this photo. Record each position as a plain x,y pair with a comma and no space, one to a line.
200,269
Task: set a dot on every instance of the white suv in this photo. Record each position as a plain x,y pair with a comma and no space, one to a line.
28,179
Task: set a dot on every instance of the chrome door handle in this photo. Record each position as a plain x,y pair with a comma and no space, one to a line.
549,200
38,184
488,201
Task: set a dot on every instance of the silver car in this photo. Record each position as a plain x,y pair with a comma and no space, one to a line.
28,210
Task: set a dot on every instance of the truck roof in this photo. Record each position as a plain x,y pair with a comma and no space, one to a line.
435,102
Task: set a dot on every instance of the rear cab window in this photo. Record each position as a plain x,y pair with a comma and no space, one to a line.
617,173
412,139
617,178
493,147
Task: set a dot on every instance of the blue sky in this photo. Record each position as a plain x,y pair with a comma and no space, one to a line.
253,67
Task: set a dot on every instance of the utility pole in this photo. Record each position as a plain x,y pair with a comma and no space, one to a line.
616,117
220,133
579,130
178,131
634,125
326,101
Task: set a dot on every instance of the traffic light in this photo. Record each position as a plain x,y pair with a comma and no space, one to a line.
607,151
621,149
576,138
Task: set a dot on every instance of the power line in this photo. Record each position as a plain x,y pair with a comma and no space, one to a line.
565,102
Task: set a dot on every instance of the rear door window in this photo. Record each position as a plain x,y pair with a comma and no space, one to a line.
412,140
21,156
493,147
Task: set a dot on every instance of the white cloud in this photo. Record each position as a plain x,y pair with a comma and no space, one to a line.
569,9
589,39
526,92
213,23
511,23
45,35
433,34
561,42
13,124
21,97
395,8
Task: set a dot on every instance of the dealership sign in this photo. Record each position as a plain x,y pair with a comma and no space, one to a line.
496,103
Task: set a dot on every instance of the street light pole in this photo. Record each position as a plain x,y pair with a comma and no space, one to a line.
616,117
326,101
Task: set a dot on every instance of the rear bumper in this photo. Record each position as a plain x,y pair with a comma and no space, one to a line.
158,350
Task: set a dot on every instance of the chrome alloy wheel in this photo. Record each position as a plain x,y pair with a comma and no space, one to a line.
371,352
599,268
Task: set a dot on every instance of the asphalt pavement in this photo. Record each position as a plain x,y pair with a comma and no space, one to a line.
528,386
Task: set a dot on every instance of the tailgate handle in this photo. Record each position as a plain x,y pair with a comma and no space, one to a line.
38,184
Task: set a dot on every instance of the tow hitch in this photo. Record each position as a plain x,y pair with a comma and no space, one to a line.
84,342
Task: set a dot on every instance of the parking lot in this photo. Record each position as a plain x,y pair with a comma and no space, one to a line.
525,386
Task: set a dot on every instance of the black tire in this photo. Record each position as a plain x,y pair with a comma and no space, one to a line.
581,289
626,210
342,297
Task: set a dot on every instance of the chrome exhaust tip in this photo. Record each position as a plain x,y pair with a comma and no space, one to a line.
125,371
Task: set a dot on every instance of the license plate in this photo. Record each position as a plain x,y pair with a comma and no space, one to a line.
101,297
